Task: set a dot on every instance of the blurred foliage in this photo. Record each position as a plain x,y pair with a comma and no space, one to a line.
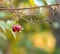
33,39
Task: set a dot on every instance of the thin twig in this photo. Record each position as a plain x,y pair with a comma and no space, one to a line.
27,8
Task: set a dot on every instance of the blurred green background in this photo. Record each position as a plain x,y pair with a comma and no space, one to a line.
36,37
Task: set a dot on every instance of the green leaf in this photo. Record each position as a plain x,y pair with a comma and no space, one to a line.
2,14
3,36
10,22
10,34
14,35
2,25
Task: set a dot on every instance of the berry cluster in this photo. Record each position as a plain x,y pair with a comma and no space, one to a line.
16,28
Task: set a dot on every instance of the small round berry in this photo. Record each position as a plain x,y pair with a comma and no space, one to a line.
18,27
14,28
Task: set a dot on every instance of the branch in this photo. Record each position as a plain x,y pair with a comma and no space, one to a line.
27,8
16,10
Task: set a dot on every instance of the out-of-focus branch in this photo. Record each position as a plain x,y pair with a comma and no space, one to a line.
27,8
19,14
16,10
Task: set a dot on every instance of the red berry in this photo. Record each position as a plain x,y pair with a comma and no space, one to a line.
16,28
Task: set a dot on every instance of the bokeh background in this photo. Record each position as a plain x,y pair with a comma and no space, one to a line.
37,37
